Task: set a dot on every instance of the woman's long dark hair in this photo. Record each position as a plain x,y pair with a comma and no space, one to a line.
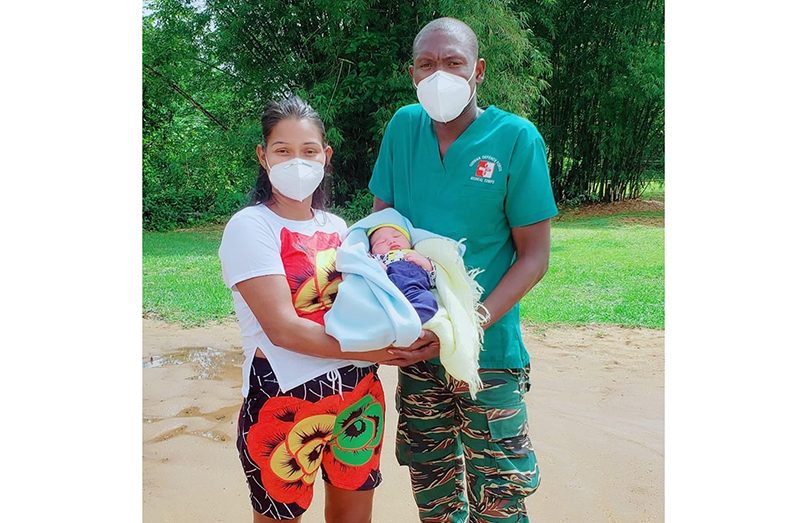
275,112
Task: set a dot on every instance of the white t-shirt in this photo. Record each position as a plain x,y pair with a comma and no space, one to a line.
257,242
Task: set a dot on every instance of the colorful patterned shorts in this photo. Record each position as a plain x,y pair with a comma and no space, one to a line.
333,423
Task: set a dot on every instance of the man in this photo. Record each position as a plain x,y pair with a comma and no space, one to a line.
479,174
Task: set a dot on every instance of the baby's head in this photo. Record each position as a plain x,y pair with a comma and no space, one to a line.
388,237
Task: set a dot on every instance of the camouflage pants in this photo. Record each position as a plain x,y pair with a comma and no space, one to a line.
439,425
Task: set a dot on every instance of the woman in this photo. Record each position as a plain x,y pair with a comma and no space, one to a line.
307,406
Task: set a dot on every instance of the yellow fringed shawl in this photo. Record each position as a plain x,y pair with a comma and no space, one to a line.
457,322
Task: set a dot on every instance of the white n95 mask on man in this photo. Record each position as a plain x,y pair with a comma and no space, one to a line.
296,178
444,95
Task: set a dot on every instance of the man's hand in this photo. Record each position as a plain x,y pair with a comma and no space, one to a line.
425,347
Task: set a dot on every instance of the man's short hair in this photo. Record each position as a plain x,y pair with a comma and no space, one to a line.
454,27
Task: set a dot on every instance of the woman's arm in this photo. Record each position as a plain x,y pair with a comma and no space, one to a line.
269,298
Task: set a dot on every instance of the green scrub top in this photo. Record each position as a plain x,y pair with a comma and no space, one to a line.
492,178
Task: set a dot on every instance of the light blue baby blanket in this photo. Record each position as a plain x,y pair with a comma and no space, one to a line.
370,312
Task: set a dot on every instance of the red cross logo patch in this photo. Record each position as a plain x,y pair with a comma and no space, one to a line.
485,169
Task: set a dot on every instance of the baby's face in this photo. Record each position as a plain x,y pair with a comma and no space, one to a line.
387,239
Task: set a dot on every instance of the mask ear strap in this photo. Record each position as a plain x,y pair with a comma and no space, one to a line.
263,144
475,85
474,71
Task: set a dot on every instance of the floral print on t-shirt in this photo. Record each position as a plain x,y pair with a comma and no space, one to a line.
309,263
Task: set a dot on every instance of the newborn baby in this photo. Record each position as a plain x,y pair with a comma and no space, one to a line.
411,272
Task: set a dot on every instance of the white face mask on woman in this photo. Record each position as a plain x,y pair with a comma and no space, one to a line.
444,95
296,178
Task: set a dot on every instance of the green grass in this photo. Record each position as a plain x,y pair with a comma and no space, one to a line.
654,191
603,269
182,277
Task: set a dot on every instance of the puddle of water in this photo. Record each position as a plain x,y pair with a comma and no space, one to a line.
214,435
210,363
219,415
182,430
169,434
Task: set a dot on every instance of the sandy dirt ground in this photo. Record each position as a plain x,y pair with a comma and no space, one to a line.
595,414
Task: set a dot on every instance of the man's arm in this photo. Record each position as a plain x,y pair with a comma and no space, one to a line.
532,245
379,205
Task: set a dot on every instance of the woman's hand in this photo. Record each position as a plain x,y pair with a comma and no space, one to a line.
425,347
